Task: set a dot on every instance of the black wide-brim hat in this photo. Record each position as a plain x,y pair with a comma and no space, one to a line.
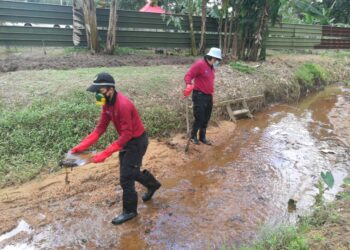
102,80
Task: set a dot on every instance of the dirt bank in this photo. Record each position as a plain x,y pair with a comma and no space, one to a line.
38,62
101,181
211,196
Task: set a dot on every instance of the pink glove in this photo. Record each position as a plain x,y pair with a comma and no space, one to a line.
188,90
85,143
101,157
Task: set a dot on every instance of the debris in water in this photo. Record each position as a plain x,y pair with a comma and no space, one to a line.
292,205
22,227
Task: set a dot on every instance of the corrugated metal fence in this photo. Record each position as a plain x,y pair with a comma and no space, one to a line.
143,30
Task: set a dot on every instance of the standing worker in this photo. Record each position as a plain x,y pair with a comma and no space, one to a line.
203,73
132,143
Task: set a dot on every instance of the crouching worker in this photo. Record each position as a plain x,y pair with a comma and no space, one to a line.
131,144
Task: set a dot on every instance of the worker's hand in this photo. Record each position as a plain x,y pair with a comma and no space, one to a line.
101,157
188,90
86,143
77,149
114,147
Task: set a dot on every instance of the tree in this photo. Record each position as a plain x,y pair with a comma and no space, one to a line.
112,26
247,21
201,48
190,20
84,12
89,10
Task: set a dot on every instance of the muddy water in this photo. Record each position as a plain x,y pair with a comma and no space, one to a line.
226,198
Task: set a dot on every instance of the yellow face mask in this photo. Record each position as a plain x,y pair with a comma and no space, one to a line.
100,99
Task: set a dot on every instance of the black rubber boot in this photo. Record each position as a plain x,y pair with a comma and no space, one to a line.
125,216
194,136
129,207
151,183
203,138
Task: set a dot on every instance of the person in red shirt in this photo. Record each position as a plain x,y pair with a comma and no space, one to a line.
131,144
203,74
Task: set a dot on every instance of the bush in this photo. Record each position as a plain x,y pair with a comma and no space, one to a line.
244,68
283,237
311,76
37,136
34,138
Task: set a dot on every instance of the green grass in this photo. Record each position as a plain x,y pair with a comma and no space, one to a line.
52,112
35,137
143,84
70,50
311,75
283,237
307,232
241,67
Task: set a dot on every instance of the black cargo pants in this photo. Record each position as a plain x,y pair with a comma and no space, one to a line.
130,158
202,108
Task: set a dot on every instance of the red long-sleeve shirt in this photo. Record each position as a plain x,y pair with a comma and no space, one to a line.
203,75
124,117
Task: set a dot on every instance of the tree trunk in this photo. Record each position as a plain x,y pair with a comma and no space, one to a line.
112,26
78,21
91,25
193,38
224,16
225,34
230,34
203,27
259,35
236,23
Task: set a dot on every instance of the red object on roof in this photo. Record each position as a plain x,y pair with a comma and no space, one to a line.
154,9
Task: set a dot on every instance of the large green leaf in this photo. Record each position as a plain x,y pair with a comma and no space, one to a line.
328,178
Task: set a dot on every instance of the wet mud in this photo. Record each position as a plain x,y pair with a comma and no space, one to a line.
211,196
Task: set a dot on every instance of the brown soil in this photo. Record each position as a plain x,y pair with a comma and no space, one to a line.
32,62
99,180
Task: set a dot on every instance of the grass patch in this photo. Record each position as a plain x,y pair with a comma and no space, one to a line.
35,137
241,67
160,121
52,112
324,227
311,76
123,51
70,50
347,181
283,237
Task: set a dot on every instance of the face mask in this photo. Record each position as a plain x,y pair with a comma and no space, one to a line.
100,99
216,64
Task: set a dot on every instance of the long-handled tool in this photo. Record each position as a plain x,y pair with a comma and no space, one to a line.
188,127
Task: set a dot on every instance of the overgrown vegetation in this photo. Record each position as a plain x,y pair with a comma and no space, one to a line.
311,76
303,235
34,138
283,237
244,68
49,116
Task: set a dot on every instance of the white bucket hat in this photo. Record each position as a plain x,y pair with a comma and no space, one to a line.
215,52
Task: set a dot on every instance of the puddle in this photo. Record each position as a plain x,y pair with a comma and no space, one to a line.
22,227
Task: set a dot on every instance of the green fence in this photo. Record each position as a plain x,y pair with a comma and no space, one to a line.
143,30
